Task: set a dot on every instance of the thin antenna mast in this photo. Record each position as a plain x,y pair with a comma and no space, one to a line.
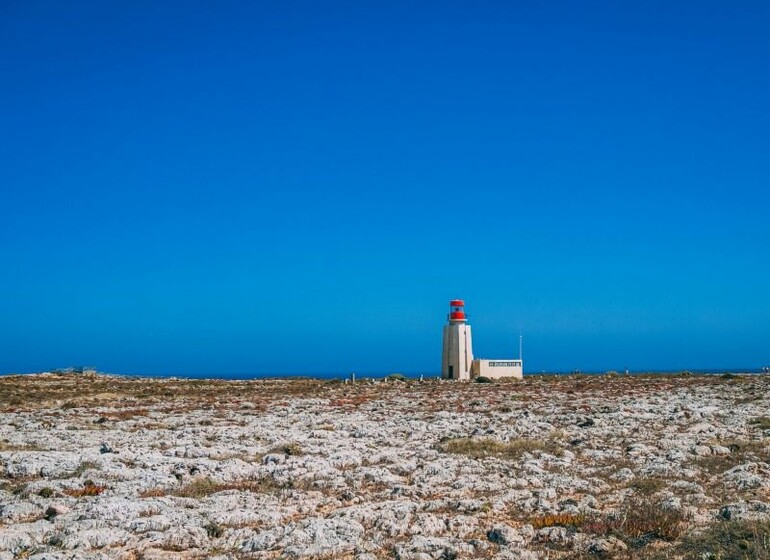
520,348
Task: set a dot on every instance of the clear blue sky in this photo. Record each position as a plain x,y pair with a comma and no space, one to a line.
300,187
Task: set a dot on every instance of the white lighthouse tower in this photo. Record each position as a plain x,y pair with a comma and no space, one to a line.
458,350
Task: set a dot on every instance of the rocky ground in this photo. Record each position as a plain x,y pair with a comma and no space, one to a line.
549,467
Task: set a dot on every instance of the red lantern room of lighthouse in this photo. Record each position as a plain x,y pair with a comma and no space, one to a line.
457,355
457,311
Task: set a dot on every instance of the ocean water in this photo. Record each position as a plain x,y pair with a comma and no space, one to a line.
426,375
411,375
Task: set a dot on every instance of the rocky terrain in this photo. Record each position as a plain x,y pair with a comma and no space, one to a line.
95,466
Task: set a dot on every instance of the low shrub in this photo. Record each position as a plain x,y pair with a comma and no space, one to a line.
214,530
643,520
199,488
88,489
741,451
638,522
729,539
575,520
86,466
647,485
483,379
292,448
202,487
153,493
761,422
127,413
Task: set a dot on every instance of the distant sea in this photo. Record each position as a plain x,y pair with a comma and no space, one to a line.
437,374
413,375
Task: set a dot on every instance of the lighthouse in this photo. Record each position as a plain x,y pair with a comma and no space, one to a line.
457,356
457,360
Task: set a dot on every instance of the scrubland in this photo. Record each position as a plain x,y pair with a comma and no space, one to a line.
551,467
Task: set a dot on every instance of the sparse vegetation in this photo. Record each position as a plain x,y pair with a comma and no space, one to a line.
642,520
214,530
6,446
202,487
487,447
618,486
127,414
153,493
727,540
638,522
88,489
741,451
647,485
573,520
292,449
761,422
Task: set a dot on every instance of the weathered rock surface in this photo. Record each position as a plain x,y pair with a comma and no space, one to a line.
124,468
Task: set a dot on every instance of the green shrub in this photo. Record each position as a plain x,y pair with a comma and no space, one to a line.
483,379
214,530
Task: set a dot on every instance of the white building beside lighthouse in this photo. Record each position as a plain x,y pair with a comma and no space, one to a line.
457,360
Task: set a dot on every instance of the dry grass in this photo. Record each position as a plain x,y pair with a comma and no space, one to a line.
81,392
126,414
88,489
487,447
292,448
354,401
741,451
559,520
739,540
202,487
761,422
648,485
645,520
153,493
5,446
638,522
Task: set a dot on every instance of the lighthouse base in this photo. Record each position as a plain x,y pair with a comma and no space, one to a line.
457,356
